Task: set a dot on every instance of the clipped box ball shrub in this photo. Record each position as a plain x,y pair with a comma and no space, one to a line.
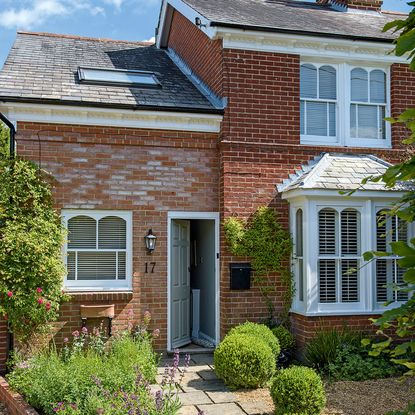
259,331
243,360
284,336
298,390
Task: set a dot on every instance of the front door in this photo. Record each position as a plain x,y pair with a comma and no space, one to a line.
180,283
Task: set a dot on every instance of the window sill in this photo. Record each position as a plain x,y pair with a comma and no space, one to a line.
337,313
99,295
353,143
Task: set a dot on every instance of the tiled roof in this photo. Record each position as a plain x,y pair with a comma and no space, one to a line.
293,15
44,66
339,172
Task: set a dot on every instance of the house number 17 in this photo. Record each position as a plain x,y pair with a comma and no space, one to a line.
150,267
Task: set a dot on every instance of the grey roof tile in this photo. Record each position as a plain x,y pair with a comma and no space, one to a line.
332,172
44,66
292,15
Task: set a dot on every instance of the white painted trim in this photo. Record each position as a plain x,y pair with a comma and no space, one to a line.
307,46
111,117
326,193
204,336
189,216
102,285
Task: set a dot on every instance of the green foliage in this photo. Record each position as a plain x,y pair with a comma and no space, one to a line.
284,336
70,376
298,390
259,331
323,348
405,42
4,141
31,238
269,246
354,363
243,360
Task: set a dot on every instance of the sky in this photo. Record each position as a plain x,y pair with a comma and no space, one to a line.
115,19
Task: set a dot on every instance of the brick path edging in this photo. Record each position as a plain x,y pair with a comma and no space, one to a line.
14,401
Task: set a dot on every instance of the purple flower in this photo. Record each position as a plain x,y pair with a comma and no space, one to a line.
84,330
75,333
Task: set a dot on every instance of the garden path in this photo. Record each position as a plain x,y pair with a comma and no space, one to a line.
202,391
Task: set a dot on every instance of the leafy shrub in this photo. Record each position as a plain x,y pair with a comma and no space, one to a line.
90,377
243,360
323,348
298,390
259,331
354,363
284,336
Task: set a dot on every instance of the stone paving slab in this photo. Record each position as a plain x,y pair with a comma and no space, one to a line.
202,359
204,385
256,408
207,374
222,397
222,409
196,368
188,410
194,398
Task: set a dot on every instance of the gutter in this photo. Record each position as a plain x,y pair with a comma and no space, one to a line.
49,101
12,135
298,32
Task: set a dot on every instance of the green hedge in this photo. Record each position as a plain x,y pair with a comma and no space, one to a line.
259,331
298,390
243,360
284,336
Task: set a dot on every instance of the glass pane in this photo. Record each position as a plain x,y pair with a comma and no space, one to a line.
327,87
359,85
381,232
122,270
398,277
350,232
299,232
327,280
302,117
382,280
327,231
308,81
382,123
97,266
70,265
82,233
112,233
301,280
350,281
378,86
332,119
353,120
115,77
316,118
367,121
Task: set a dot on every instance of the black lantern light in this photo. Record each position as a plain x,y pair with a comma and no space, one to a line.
150,241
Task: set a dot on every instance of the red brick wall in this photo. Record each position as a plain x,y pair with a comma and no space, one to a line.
402,98
148,172
14,402
203,55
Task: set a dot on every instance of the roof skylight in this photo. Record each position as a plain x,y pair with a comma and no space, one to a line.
117,77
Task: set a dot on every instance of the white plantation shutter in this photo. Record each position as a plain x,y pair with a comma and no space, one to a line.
82,232
327,231
97,249
378,86
389,229
299,252
318,92
339,255
359,85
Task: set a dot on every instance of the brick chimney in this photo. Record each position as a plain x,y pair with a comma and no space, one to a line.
372,5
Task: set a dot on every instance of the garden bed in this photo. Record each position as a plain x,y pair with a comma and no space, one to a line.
372,397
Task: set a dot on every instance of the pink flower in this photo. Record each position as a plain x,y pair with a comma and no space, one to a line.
39,290
147,317
156,333
9,294
65,340
40,300
84,330
48,306
75,333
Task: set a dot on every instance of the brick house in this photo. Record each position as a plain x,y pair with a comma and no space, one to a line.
238,105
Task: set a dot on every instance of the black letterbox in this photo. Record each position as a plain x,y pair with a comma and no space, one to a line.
240,276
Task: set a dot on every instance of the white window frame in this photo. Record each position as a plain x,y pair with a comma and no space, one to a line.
343,83
101,285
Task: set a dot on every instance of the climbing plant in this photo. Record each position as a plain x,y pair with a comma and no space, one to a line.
31,237
265,240
4,141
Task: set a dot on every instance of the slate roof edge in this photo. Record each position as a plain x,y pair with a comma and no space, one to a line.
297,32
50,101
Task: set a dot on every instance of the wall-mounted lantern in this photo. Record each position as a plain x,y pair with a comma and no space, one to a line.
150,240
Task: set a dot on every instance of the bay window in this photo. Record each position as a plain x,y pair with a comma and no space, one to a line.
344,105
98,250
